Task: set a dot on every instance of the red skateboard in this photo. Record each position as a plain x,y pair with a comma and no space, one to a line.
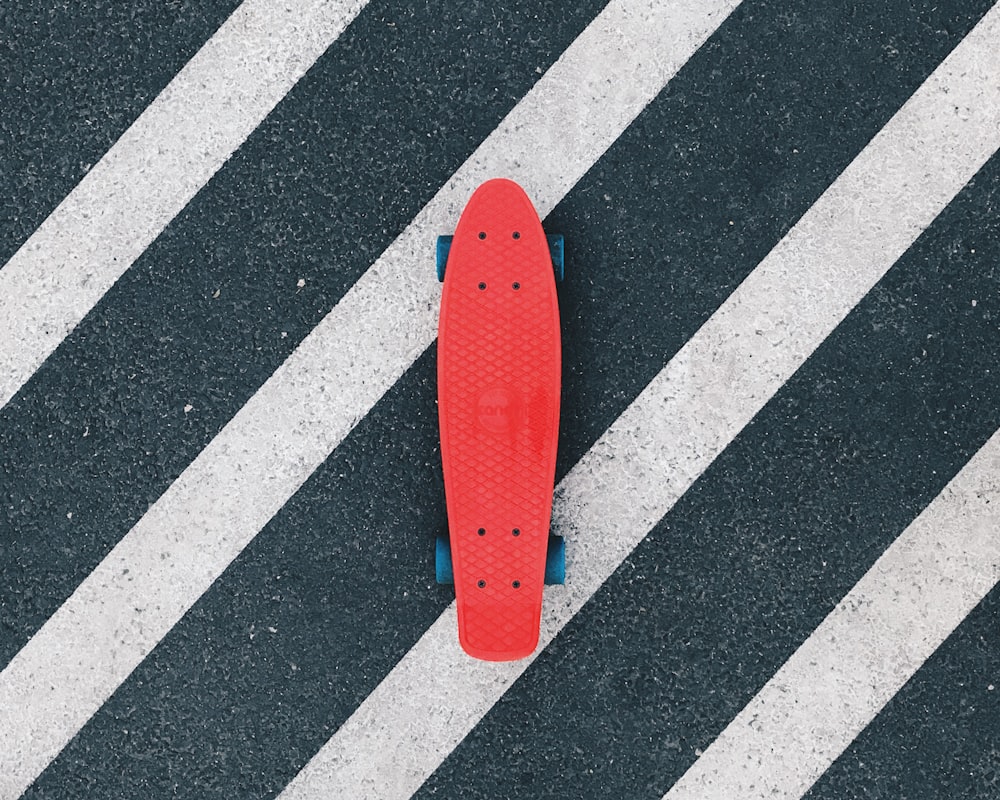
499,368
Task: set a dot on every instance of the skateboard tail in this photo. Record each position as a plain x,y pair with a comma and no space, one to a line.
512,636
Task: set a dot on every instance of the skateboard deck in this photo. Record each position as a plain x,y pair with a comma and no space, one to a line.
499,372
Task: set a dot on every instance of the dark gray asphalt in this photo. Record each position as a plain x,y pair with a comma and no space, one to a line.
76,74
766,543
752,130
316,193
938,738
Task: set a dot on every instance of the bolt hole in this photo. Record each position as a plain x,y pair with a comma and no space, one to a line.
516,235
482,285
516,584
481,531
482,234
515,286
516,531
481,584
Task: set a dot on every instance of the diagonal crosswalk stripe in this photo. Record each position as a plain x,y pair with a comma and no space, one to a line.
893,619
691,411
163,159
171,556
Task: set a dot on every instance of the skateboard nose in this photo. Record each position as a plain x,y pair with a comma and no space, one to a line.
505,192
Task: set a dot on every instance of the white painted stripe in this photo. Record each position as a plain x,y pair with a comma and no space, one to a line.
175,146
690,412
220,502
893,619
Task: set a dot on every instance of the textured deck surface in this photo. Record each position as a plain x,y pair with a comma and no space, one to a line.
498,392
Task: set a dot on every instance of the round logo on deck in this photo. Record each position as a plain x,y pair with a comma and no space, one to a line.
497,409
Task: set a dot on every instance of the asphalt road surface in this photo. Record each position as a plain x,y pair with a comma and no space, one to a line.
779,464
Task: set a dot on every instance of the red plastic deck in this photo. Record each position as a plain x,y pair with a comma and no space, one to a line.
499,370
